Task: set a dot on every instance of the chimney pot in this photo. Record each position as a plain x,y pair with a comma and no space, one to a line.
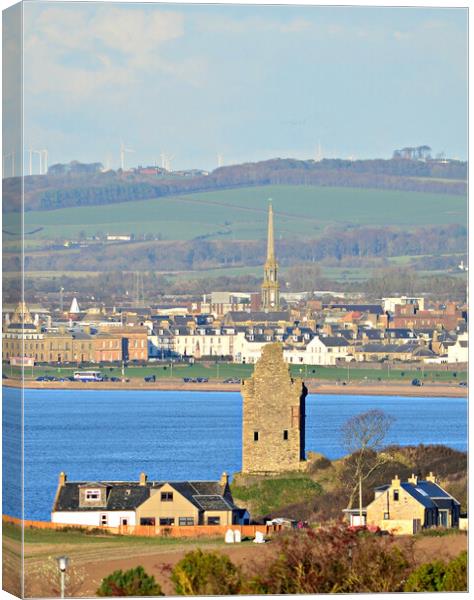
62,478
224,480
143,478
396,482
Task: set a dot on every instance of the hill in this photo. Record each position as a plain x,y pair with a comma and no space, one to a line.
300,210
49,192
322,493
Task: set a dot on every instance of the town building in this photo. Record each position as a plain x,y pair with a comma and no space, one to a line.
273,419
143,502
410,317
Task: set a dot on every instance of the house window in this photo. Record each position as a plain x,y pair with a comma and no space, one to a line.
166,521
186,521
285,434
103,519
167,496
255,436
396,495
213,520
147,521
92,495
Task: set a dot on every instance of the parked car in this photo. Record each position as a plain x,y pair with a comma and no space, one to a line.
150,378
463,383
115,379
417,382
41,379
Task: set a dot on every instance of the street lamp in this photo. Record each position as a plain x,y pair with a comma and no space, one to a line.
63,562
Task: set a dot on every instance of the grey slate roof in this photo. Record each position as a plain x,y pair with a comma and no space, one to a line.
331,341
125,495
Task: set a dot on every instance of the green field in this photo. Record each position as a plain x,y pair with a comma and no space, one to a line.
220,371
241,213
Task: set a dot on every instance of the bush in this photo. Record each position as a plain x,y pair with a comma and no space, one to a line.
206,573
427,578
330,560
455,579
439,577
134,582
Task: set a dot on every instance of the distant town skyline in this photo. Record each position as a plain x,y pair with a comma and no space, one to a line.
203,85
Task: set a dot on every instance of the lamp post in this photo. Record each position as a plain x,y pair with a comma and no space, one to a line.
63,562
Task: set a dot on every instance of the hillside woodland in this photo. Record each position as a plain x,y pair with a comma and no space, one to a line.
52,191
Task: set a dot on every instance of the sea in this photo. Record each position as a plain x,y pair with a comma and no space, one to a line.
114,435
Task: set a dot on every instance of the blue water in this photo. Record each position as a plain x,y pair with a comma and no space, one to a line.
94,435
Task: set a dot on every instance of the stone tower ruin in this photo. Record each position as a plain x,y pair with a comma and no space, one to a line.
273,422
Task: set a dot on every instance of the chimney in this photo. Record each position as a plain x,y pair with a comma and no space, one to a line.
224,480
431,477
62,478
413,479
143,478
396,482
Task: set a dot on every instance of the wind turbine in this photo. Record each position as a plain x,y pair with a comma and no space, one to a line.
123,150
319,153
44,156
40,153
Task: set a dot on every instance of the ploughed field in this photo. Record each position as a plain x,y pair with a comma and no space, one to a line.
95,556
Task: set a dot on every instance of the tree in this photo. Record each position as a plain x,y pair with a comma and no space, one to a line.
363,437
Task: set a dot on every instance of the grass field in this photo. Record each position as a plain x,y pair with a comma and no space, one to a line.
241,213
221,371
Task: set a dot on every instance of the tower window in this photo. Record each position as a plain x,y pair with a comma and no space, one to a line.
255,436
285,434
395,495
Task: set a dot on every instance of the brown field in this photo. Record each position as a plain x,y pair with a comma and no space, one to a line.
98,556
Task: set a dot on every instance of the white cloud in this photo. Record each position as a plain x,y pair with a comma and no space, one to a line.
81,49
245,25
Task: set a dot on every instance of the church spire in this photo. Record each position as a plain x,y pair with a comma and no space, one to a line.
270,285
270,237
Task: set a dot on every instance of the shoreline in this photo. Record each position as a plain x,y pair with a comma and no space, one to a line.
321,387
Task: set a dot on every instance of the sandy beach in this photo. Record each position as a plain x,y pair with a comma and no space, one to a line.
367,388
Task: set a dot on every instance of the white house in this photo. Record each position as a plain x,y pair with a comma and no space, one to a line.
459,352
326,350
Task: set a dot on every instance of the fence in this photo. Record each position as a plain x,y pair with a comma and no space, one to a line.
152,530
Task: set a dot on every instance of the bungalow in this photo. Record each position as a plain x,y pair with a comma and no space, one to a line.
143,502
408,506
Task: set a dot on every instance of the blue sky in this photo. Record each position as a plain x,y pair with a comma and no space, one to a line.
246,82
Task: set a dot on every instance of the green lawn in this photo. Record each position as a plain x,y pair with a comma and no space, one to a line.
220,371
241,213
73,536
267,495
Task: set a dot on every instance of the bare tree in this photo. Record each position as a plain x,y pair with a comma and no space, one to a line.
363,437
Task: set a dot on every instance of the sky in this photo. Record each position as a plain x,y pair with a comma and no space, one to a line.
247,83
